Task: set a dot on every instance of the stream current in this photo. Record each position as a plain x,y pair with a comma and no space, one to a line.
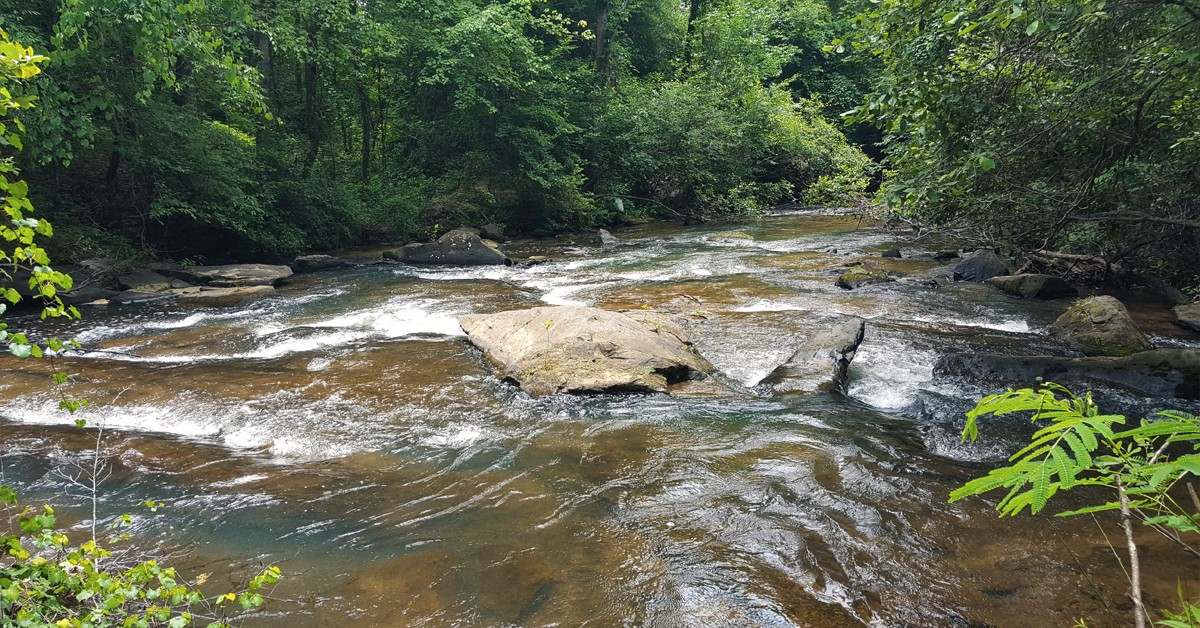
344,430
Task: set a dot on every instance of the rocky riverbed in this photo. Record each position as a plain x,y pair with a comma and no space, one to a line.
341,425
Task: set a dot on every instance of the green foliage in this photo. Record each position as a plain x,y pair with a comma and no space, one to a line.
46,581
1036,120
1081,447
1076,446
24,265
699,149
230,129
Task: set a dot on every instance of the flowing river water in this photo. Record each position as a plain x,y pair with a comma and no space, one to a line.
344,430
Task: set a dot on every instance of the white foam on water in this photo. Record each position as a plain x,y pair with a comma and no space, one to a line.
188,321
997,323
457,436
497,273
245,479
161,419
397,319
767,305
301,345
889,377
318,364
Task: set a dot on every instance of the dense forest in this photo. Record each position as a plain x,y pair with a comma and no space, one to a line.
236,130
241,130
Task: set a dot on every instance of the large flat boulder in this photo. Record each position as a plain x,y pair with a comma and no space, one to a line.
1100,326
980,266
460,247
1034,286
572,349
211,296
1159,373
821,362
1188,315
231,275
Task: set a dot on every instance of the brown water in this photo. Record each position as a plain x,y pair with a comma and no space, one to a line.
343,430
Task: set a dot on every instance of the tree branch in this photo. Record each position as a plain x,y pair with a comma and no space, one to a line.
1136,217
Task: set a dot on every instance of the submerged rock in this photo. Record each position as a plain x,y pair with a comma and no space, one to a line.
945,255
822,361
731,235
1188,315
231,275
313,263
460,247
1156,373
604,238
980,266
861,275
574,349
1100,326
893,253
1033,286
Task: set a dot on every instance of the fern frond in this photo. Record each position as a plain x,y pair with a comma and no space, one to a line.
1090,509
1064,467
1083,455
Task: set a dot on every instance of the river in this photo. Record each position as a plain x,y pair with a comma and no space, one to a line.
344,430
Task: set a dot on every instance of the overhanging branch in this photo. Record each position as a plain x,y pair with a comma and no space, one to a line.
1136,217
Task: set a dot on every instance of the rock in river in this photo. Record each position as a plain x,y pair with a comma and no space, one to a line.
1100,325
149,282
1158,373
460,247
980,266
1188,315
231,275
604,238
576,349
822,361
314,263
1033,286
862,275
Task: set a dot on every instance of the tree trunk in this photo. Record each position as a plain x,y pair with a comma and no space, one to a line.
266,62
312,124
603,51
364,110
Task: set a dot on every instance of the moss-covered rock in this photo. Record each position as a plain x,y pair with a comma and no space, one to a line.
1100,326
861,275
1032,286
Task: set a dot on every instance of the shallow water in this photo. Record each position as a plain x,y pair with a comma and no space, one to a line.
343,429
